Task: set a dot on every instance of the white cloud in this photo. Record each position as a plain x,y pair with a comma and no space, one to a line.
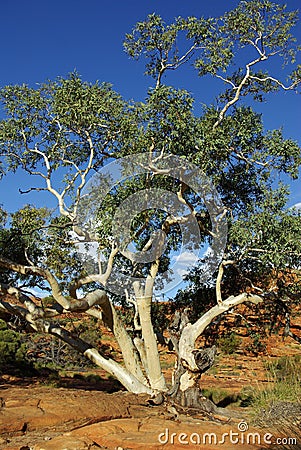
185,258
296,205
37,292
183,263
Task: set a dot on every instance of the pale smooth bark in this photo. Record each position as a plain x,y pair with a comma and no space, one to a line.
131,376
150,343
129,352
127,379
191,332
131,383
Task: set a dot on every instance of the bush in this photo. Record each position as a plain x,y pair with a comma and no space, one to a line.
256,345
286,368
48,301
283,399
229,343
49,352
13,351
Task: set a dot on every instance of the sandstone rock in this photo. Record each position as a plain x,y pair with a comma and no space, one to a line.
65,442
159,434
31,409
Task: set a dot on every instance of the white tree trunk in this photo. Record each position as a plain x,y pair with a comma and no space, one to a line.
129,352
127,379
156,377
131,383
191,332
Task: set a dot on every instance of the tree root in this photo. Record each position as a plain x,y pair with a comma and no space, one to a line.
200,407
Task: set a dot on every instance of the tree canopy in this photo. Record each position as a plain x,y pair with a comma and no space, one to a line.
65,132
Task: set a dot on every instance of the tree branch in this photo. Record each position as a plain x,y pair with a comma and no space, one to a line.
44,273
192,331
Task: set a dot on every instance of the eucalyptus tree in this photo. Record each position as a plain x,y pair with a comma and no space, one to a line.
181,177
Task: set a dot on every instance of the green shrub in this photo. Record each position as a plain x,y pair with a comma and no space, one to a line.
48,301
283,396
12,350
256,345
49,352
229,343
280,391
286,368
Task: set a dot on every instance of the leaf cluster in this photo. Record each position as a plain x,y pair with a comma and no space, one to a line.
56,120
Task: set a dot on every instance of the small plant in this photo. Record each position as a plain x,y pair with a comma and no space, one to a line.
283,398
13,351
281,391
229,344
52,380
286,368
256,345
48,301
93,378
212,371
216,395
49,352
222,398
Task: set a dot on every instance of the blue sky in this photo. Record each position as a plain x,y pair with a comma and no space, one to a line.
43,40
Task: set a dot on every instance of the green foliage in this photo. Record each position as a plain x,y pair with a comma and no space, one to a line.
169,119
66,116
153,36
48,301
64,130
214,43
12,350
266,19
49,352
3,217
67,109
220,396
256,345
286,368
33,237
159,43
229,343
272,233
285,389
196,300
160,316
